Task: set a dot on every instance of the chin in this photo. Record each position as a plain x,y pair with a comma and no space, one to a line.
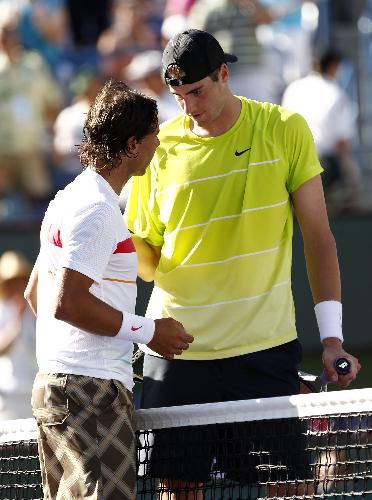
140,173
202,121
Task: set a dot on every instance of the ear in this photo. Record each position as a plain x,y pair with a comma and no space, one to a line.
224,73
133,145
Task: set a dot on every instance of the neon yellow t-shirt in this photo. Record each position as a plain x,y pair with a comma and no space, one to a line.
220,209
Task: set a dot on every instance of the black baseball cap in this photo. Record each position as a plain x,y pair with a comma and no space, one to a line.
197,53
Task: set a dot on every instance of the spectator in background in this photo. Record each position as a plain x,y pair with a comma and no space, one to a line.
17,338
144,73
330,115
176,7
234,23
175,18
44,27
29,100
68,127
129,33
287,40
288,36
172,25
87,20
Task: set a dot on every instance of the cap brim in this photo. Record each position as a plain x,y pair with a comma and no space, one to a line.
230,57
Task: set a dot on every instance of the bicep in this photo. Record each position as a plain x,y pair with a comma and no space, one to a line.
73,283
71,288
148,258
89,240
319,244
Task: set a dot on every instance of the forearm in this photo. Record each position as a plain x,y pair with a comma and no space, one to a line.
30,293
323,269
75,305
85,311
324,278
148,258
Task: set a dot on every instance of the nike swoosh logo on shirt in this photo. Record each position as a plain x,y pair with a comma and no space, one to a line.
238,153
135,328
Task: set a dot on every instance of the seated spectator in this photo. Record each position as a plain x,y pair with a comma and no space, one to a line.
129,33
17,338
29,99
234,24
87,20
44,28
175,18
175,7
68,127
287,40
329,112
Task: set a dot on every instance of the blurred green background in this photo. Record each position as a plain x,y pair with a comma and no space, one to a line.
354,244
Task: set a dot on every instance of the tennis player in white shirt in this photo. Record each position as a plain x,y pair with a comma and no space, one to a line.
83,292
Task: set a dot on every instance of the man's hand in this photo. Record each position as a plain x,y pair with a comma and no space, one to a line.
332,350
170,338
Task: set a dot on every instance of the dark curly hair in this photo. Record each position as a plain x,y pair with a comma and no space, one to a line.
117,114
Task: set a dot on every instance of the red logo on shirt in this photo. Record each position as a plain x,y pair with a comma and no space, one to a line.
135,328
125,246
54,236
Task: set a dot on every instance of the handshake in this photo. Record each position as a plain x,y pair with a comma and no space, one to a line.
170,338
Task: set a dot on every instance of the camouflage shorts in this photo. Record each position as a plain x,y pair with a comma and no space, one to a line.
86,437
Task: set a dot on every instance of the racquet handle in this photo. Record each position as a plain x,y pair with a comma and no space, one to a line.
342,367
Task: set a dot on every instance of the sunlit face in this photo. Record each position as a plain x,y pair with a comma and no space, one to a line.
203,101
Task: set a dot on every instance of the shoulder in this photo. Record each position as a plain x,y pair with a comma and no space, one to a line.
89,222
84,196
269,116
95,209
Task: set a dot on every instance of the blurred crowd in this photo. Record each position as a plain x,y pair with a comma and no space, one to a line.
55,56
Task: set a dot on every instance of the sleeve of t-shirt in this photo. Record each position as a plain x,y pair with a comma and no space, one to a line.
142,211
301,152
89,240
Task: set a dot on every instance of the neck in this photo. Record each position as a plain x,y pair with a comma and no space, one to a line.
117,177
225,120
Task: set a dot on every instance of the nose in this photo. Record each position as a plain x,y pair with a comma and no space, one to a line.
187,105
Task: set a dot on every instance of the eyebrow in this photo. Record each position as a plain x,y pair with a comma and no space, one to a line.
190,91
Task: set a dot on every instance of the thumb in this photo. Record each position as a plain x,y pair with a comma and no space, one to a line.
331,374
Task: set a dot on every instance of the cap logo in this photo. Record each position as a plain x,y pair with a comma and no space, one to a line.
174,75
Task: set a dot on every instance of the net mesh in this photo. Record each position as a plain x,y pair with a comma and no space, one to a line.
306,446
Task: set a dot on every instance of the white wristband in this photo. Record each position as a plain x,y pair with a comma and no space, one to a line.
329,318
136,328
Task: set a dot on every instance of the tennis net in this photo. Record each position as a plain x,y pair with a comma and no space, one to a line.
305,446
